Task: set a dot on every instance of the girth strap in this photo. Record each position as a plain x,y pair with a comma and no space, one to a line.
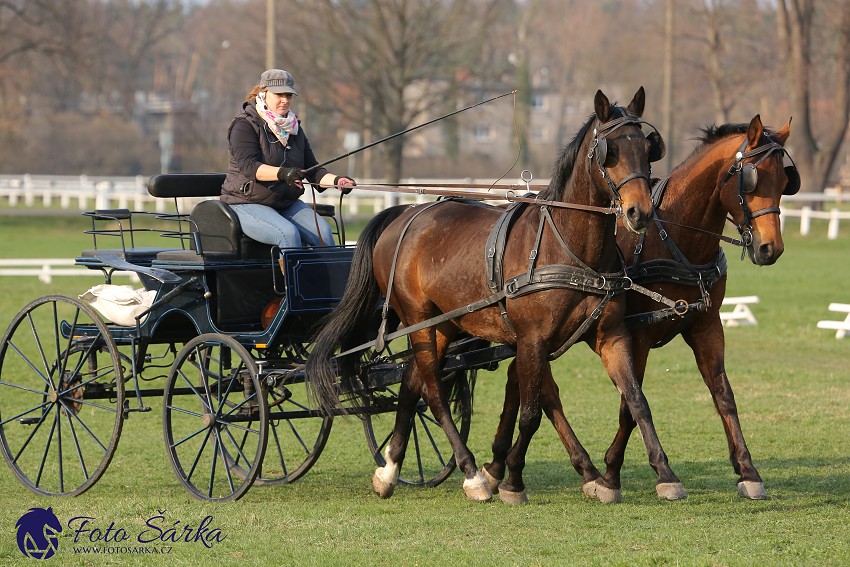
559,276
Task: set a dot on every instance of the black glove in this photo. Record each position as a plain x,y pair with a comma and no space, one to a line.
290,175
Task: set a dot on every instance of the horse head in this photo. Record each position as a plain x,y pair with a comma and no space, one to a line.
753,185
620,155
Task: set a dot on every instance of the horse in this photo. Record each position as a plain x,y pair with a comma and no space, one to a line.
737,170
430,263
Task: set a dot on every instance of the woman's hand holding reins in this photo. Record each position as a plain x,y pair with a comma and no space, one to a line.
291,175
345,184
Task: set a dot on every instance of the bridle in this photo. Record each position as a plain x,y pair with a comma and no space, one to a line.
598,154
747,174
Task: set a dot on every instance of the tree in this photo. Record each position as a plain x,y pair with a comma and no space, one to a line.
386,65
816,137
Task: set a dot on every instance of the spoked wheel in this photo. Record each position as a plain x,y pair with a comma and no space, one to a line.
429,459
214,414
297,433
61,396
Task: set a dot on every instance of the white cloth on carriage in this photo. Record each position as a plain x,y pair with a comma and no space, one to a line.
119,303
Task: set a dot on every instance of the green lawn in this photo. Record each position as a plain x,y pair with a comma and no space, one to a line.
792,386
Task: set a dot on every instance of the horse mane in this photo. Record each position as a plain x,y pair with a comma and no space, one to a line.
565,164
713,133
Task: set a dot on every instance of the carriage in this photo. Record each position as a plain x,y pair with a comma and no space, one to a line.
249,391
222,340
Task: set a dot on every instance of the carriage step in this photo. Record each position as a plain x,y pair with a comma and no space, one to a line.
141,409
29,420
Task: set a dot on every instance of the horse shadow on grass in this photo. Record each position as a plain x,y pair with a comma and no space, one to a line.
810,481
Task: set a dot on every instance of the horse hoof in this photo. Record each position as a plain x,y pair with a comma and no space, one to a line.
512,497
476,488
382,488
752,490
670,490
492,482
602,493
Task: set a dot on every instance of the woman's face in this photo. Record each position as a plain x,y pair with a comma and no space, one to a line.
278,103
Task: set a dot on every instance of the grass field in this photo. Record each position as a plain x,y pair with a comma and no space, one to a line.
792,385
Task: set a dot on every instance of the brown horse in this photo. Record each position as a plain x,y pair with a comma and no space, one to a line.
738,171
431,262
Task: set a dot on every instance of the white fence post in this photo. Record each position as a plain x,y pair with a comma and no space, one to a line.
29,194
805,220
832,230
102,190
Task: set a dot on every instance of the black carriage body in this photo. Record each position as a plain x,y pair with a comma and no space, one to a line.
219,280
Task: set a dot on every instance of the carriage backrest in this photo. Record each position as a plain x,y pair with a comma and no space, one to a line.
219,227
176,185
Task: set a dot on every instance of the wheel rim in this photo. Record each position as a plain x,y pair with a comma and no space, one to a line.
214,414
429,459
61,396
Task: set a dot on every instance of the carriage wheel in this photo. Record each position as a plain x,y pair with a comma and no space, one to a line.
61,396
429,459
297,434
214,412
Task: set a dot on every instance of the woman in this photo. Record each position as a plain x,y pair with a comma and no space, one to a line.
268,155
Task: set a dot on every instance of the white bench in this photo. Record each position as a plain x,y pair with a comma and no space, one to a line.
741,314
841,328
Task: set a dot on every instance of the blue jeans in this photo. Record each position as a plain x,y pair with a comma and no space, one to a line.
291,228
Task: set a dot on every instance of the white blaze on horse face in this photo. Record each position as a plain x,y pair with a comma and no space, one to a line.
389,472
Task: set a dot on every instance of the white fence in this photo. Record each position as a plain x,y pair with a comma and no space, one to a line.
48,268
88,192
807,215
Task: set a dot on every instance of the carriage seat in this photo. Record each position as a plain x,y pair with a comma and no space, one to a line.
216,224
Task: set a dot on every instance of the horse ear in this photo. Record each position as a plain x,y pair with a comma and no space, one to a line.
635,107
601,105
755,131
784,132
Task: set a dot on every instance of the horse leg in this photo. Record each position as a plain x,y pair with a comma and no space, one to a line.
429,347
616,355
708,347
554,410
615,455
532,369
494,471
385,479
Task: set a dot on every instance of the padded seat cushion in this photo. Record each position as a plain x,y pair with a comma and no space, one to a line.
221,232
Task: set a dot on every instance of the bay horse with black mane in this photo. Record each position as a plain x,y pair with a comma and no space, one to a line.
739,171
537,277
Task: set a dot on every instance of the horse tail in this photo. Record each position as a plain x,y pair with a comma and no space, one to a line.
458,383
352,322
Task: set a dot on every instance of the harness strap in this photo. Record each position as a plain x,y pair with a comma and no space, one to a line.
545,214
662,315
561,276
583,328
436,320
664,270
495,247
382,329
